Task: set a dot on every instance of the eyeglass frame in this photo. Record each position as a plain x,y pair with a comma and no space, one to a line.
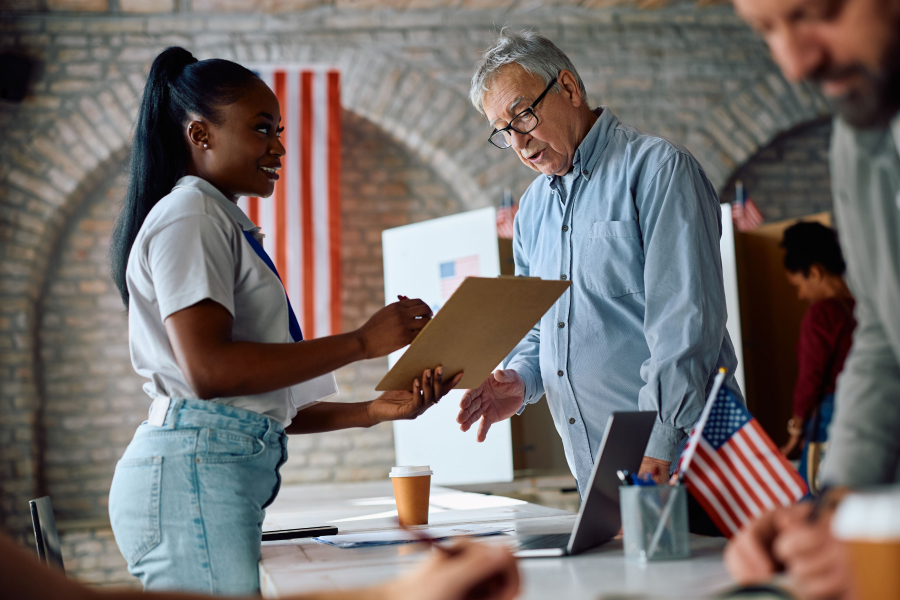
529,109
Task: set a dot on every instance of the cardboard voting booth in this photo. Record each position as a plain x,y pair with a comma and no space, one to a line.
430,260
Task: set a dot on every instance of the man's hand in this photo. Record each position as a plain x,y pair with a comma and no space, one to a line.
466,570
393,327
499,397
657,468
748,556
427,391
817,563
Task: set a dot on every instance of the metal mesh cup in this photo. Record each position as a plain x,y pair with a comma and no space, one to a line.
643,507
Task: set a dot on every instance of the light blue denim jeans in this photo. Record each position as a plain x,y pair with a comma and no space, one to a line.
188,497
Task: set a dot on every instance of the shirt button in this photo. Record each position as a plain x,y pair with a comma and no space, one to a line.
585,173
563,277
571,421
560,324
560,373
565,227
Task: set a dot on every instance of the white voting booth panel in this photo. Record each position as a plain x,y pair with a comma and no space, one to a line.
427,260
729,270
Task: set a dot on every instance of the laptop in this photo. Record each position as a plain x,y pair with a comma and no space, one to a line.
599,518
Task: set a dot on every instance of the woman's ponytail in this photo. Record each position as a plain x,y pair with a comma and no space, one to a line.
177,86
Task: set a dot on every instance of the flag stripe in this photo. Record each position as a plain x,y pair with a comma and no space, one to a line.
334,196
756,493
306,202
734,485
794,484
291,141
320,202
711,504
281,222
715,484
760,451
757,468
768,498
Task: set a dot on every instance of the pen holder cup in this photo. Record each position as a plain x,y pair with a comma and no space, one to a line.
643,508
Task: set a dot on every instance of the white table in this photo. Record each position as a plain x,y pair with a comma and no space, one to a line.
304,565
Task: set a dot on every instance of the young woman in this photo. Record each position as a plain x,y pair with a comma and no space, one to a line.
212,330
815,266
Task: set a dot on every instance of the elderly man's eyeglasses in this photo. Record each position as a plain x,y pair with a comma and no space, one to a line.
523,123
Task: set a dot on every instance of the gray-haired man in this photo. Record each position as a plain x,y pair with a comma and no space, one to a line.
633,221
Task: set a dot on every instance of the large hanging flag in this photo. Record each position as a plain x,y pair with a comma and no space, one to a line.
302,219
737,472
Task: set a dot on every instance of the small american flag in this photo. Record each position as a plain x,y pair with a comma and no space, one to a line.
506,216
744,212
454,272
737,473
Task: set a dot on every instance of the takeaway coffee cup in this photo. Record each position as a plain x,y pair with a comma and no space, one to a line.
412,486
869,525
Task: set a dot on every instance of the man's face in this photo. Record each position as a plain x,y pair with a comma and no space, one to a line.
550,147
850,48
810,288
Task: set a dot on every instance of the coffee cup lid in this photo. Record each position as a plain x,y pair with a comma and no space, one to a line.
869,516
410,471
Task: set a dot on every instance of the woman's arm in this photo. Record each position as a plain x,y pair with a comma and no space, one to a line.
215,366
390,406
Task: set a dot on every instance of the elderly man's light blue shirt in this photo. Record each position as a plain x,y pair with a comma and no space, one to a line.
636,227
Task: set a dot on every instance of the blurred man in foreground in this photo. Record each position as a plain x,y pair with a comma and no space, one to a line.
851,49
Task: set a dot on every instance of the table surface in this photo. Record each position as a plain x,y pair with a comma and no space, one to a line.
304,565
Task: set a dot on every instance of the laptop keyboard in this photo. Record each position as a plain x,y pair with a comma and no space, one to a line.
550,540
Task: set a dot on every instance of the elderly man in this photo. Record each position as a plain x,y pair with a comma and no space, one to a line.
633,222
851,48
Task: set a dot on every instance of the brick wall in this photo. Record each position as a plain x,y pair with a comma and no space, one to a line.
789,178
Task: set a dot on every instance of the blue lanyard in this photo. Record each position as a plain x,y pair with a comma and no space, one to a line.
293,325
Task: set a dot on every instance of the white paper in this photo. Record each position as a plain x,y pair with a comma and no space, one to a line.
402,536
315,390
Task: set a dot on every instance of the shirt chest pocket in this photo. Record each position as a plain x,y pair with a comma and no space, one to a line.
613,261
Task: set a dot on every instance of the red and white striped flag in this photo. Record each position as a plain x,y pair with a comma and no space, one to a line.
506,216
744,212
454,272
737,472
302,219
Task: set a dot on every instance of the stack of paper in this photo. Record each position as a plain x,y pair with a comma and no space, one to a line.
400,536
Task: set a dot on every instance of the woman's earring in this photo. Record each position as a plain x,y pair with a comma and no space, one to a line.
206,145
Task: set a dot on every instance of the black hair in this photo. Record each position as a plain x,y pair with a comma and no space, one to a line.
178,86
810,243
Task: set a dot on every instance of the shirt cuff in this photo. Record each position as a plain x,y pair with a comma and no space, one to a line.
533,392
663,444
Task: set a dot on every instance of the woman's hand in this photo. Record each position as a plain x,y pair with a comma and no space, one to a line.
393,327
393,406
792,444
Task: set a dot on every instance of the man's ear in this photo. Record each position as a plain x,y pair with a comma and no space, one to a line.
816,272
197,131
570,87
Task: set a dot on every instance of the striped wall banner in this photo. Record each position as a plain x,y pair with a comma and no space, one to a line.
302,219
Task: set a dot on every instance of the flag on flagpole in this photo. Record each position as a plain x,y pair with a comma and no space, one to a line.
506,216
737,472
302,219
744,212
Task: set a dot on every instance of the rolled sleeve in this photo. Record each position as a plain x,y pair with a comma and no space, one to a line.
685,315
191,259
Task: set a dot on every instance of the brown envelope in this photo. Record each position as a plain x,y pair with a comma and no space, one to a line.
475,330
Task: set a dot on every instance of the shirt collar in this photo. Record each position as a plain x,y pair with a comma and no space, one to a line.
234,211
588,153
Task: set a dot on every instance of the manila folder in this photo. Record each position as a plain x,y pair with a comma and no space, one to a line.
475,330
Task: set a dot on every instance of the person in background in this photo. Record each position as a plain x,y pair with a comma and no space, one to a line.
212,330
815,266
851,50
468,570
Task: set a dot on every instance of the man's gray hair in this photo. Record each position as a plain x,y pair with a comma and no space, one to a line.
531,51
